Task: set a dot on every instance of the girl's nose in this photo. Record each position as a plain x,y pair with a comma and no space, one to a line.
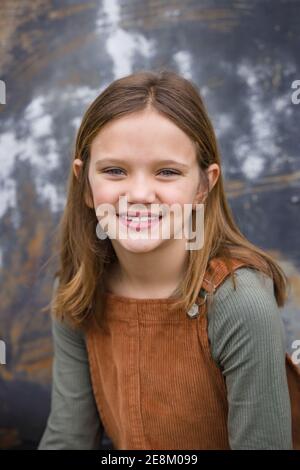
141,189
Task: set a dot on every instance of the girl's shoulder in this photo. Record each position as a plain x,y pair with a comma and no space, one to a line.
248,280
249,311
245,324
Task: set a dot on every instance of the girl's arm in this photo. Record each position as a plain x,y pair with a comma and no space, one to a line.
74,422
248,343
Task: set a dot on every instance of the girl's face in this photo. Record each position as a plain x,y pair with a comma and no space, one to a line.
147,158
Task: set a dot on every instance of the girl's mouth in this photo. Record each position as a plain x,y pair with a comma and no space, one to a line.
139,223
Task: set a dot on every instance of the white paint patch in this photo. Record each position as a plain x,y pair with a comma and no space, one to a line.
260,149
76,121
38,146
121,45
8,150
183,60
204,91
174,13
253,166
222,124
84,94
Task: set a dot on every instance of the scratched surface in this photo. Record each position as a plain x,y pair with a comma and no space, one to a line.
56,56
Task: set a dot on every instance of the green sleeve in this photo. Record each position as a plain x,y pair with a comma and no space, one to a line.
247,340
73,422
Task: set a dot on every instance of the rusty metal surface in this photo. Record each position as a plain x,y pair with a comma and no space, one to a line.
56,56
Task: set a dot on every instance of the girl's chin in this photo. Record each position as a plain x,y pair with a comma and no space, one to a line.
139,246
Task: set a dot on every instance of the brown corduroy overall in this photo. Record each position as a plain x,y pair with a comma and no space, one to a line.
155,382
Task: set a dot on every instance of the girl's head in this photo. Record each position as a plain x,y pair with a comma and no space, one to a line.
147,158
124,145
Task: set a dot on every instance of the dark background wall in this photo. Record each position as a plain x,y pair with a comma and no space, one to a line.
56,57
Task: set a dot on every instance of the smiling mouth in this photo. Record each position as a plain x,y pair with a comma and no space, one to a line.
139,222
143,218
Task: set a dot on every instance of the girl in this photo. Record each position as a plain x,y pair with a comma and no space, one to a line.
155,345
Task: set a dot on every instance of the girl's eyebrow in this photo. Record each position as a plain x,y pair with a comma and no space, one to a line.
158,162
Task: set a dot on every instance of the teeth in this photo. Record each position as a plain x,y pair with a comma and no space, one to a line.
139,219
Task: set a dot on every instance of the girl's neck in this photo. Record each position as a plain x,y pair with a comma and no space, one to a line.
160,280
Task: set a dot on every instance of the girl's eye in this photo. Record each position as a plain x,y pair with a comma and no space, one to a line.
172,172
113,170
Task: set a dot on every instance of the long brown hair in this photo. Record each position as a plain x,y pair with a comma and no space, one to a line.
84,257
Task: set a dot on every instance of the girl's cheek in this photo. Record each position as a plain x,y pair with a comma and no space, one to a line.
104,194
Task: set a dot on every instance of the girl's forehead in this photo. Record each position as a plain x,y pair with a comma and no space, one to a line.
135,136
128,126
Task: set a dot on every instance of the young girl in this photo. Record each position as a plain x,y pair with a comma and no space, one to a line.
156,345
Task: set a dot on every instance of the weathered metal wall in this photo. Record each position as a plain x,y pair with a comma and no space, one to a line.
56,56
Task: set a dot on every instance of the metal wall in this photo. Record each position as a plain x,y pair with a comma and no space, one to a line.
56,57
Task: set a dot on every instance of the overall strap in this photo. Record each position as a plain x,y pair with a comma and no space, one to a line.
217,271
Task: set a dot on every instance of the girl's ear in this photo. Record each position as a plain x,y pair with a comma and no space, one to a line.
77,168
213,173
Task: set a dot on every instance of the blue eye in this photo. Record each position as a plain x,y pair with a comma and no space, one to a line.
112,171
170,172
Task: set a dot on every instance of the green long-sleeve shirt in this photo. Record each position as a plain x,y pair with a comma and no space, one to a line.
247,340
